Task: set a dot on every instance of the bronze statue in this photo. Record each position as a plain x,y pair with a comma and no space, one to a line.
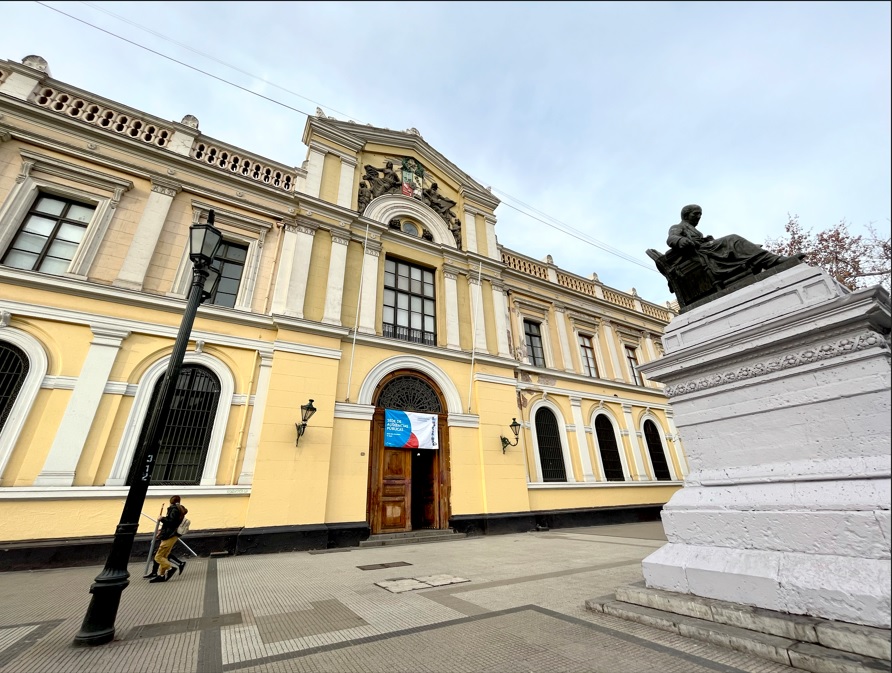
390,183
724,256
697,267
439,203
364,197
455,228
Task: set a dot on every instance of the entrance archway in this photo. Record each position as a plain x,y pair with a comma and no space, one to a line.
408,489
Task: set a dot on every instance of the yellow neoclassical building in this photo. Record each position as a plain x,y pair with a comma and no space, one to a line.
369,279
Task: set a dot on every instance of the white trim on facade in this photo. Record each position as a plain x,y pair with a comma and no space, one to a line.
385,367
139,412
21,408
648,416
614,423
565,448
388,206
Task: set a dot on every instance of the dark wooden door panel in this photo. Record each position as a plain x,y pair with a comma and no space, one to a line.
396,490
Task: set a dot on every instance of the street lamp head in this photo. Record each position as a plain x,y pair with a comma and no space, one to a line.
306,412
204,240
515,428
209,289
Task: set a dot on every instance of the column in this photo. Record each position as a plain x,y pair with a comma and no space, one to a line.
294,268
492,247
315,163
581,440
634,445
246,476
453,341
71,436
337,264
469,231
560,320
500,311
148,231
345,182
368,299
610,338
477,319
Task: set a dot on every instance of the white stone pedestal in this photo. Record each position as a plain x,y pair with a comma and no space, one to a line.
781,395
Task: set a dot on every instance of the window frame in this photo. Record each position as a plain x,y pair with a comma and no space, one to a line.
29,187
37,369
565,447
589,364
235,229
632,361
617,436
139,411
393,326
673,476
530,348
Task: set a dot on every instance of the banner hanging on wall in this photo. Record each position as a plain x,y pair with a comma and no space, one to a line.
409,430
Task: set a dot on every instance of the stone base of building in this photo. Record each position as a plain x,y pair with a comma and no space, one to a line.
70,552
781,394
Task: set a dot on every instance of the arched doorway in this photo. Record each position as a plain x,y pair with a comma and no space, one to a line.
408,488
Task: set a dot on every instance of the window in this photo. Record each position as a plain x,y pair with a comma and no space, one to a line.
656,452
587,350
184,442
548,438
532,335
409,303
50,234
632,359
230,260
610,459
13,372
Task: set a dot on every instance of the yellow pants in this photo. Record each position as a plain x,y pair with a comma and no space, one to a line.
161,555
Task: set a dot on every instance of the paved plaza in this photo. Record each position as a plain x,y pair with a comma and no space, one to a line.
512,603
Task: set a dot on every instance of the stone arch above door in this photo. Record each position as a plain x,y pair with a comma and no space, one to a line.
388,206
410,362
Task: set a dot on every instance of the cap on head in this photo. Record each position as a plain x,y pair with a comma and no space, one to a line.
174,499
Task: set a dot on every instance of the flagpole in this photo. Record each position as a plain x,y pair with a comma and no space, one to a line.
358,307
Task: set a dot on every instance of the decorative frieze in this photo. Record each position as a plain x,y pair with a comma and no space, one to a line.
788,361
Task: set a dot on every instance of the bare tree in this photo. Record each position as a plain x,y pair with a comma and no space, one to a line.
855,261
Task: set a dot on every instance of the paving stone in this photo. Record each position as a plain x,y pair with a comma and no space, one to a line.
441,580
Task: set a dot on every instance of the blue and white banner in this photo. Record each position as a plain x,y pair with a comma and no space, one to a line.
408,430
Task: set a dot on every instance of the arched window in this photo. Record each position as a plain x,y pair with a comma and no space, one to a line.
409,393
657,454
548,438
613,464
13,371
187,432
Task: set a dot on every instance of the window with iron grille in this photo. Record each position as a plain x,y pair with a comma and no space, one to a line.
657,454
14,368
187,429
589,364
632,359
548,438
230,260
49,235
409,303
613,465
532,335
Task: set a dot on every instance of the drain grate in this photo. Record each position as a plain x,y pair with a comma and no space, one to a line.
378,566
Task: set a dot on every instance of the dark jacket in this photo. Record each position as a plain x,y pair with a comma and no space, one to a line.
171,521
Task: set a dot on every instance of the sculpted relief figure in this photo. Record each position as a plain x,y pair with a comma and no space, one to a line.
364,197
390,183
439,203
723,256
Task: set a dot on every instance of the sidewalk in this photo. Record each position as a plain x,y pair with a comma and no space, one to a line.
501,603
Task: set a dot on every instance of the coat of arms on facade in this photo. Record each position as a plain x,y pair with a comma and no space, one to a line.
413,178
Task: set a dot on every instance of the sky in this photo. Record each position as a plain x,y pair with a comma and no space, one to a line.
593,122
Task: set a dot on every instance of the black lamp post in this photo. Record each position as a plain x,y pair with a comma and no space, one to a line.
515,428
98,627
306,412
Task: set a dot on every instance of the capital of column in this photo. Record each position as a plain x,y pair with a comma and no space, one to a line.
165,187
108,336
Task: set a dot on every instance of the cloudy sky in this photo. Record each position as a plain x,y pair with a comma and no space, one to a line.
594,122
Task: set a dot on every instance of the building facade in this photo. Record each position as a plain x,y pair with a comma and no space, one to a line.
368,279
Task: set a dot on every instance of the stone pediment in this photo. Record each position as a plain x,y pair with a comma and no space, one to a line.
404,143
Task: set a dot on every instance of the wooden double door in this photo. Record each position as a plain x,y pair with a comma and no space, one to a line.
408,488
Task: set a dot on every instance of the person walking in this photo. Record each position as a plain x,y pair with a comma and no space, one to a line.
168,537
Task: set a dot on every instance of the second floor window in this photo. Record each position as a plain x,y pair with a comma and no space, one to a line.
230,259
409,303
587,350
632,359
532,335
50,235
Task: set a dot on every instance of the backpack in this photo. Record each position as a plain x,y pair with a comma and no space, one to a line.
183,528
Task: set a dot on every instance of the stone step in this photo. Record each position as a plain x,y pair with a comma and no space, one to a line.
395,539
855,638
787,651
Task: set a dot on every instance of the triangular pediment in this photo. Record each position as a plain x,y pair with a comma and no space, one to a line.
404,145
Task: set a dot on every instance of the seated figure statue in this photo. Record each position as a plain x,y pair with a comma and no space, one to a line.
725,256
698,267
